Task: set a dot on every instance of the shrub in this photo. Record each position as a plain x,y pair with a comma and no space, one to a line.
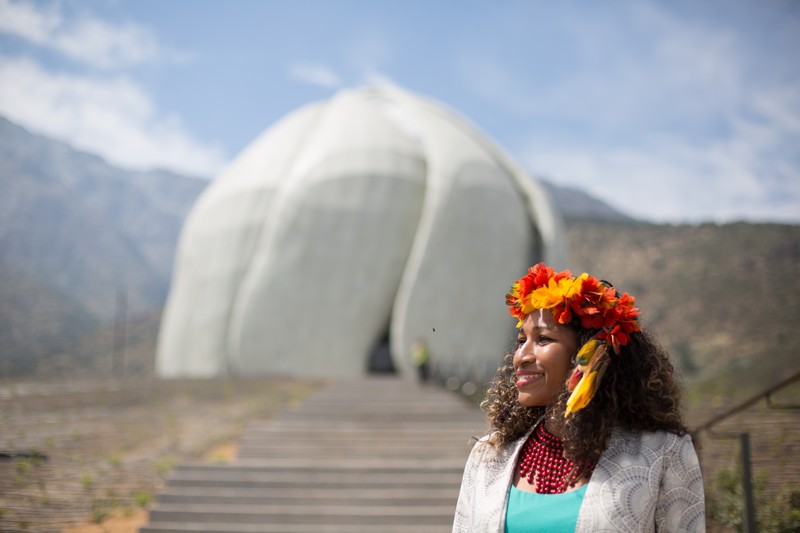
775,512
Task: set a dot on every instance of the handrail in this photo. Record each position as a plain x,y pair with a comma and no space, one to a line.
747,403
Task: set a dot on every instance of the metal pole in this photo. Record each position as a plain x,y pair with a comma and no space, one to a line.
120,318
747,485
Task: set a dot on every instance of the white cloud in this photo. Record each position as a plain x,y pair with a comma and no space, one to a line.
86,39
314,74
671,180
112,117
26,21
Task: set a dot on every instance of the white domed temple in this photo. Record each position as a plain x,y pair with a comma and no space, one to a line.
352,228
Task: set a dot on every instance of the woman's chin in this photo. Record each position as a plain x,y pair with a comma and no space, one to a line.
530,400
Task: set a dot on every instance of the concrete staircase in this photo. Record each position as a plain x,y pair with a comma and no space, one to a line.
374,455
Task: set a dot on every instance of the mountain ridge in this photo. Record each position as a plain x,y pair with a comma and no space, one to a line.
100,222
76,232
574,204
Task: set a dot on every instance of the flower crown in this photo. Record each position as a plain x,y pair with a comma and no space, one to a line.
598,307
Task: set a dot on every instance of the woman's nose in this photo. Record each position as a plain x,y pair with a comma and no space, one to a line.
524,354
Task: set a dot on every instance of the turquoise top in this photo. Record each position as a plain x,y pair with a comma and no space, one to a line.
554,513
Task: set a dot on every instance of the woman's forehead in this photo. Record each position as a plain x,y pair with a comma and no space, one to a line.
541,319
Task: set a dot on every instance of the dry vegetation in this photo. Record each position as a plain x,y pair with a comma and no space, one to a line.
89,451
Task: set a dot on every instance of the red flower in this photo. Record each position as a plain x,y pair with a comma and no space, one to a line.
540,274
562,314
574,379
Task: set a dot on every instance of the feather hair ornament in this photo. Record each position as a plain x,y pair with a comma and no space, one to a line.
595,304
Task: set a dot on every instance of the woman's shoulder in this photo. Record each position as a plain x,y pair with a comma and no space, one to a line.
492,439
633,452
488,437
658,442
485,444
657,437
488,447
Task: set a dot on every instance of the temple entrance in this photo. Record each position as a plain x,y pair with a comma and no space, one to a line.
380,358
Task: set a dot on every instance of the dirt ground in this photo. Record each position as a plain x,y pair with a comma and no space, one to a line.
116,523
85,456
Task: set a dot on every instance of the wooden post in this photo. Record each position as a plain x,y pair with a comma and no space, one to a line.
747,485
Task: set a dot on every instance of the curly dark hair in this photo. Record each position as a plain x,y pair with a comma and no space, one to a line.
638,392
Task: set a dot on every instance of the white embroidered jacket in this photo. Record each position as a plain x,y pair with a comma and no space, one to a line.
643,482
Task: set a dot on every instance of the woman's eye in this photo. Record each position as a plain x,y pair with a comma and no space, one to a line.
542,339
521,341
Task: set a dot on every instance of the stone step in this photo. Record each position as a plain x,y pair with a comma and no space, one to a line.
378,455
374,440
412,431
344,451
377,418
464,438
185,475
381,464
310,496
289,480
170,527
302,514
453,423
356,405
311,465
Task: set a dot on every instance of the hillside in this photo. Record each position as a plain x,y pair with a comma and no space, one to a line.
75,233
722,298
80,223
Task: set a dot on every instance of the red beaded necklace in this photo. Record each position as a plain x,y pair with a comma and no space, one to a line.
543,455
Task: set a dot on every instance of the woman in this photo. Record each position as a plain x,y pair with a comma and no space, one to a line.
587,431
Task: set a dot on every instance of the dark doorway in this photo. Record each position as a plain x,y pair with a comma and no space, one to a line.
380,358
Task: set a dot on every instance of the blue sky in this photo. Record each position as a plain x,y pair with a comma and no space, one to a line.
678,111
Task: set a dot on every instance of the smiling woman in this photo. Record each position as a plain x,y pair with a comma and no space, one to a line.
586,419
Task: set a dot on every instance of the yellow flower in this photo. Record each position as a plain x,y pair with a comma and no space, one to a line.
556,292
546,297
574,287
583,393
587,351
527,305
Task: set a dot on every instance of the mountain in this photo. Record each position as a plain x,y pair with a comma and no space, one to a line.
723,299
75,234
577,205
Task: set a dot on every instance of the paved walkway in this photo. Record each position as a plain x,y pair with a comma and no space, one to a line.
375,455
